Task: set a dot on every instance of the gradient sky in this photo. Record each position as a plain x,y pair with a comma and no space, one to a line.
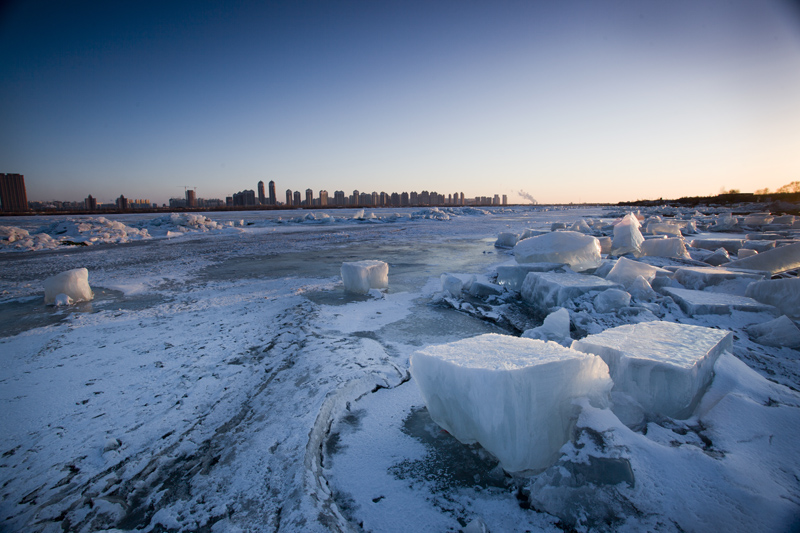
598,101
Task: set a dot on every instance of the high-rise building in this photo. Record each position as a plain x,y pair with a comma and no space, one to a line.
309,197
244,198
505,199
273,200
289,197
262,199
90,203
297,200
191,198
12,192
338,198
323,198
122,203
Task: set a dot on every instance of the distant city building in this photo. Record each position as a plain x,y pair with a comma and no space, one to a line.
354,198
262,199
191,198
309,197
122,203
297,199
338,198
229,201
323,198
177,203
288,197
505,199
90,203
13,196
273,200
404,199
244,198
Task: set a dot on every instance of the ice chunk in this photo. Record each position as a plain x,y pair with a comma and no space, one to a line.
73,283
716,303
626,271
581,226
774,261
731,245
781,332
725,223
506,240
611,300
782,293
759,246
528,233
758,219
699,278
62,300
642,290
745,252
556,226
514,396
605,244
670,247
452,284
787,220
550,289
579,251
484,290
512,276
555,328
627,237
662,365
361,276
719,257
664,228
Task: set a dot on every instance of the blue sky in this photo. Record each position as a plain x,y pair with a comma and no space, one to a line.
569,101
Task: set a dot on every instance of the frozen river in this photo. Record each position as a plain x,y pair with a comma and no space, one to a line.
222,380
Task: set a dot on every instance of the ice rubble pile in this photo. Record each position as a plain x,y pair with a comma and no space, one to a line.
659,368
512,395
68,287
361,276
71,231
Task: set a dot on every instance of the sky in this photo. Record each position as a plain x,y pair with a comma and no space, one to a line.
598,101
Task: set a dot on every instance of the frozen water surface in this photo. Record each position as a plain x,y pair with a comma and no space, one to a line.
222,380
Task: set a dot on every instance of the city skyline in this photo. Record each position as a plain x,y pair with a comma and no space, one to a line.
566,102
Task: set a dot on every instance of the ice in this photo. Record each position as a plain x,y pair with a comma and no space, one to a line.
725,223
506,240
706,303
731,245
626,271
512,395
550,289
62,300
774,261
670,247
579,251
719,257
664,228
745,252
698,278
72,283
483,289
781,332
627,237
642,290
451,284
758,246
361,276
758,219
663,365
605,244
512,276
581,227
611,300
782,293
555,328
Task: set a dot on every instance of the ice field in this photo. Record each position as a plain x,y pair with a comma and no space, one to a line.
595,370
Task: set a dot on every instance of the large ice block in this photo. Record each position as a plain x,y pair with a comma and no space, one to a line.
73,283
671,247
361,276
782,293
512,276
713,303
549,289
698,278
662,365
579,251
731,245
781,333
758,219
664,228
774,261
611,300
627,237
554,328
626,270
506,240
512,395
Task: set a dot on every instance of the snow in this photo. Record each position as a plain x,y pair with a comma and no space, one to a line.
579,251
221,379
512,395
781,293
664,366
361,276
549,289
74,284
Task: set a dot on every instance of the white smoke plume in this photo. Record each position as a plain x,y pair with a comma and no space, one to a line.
527,196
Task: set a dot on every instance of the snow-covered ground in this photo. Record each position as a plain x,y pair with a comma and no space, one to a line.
222,380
